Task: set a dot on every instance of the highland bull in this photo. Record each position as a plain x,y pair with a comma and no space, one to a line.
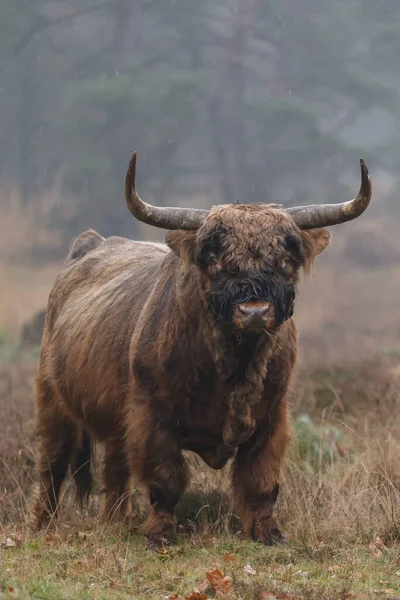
154,349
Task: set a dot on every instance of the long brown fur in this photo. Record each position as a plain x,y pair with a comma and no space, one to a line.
133,356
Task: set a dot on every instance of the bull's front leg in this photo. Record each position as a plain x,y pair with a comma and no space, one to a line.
165,474
256,477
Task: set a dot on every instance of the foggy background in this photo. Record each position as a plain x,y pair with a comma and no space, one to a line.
224,101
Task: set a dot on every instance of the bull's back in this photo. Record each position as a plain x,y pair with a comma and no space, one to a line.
92,312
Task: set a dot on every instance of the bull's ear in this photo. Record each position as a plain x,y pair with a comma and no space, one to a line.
314,242
183,243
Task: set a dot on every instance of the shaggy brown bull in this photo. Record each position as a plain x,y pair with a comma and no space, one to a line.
154,349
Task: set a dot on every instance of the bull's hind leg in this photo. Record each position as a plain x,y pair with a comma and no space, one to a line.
57,442
117,482
256,476
166,476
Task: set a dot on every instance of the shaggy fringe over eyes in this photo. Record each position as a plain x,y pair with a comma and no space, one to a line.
226,294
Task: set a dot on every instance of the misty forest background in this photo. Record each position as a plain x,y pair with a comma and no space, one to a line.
235,100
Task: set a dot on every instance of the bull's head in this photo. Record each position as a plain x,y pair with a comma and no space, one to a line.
248,257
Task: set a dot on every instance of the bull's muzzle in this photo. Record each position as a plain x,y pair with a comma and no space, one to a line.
257,315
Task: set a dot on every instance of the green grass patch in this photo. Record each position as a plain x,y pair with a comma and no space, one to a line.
102,565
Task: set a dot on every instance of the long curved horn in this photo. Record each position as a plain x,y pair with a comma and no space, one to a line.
324,215
164,217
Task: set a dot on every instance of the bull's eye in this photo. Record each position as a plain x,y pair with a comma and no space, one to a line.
214,266
289,261
286,263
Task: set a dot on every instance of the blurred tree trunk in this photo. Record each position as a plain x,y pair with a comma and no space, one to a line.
25,120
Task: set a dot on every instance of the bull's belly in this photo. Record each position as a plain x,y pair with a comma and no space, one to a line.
200,442
211,449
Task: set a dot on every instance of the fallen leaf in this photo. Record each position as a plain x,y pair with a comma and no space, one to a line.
249,570
333,568
265,595
377,546
222,585
50,538
303,574
203,586
83,564
162,550
389,591
214,577
165,553
197,596
175,597
11,542
210,540
228,558
116,585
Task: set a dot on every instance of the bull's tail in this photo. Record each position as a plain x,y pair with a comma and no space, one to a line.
81,469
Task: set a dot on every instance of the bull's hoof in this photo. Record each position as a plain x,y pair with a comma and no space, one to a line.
267,532
161,540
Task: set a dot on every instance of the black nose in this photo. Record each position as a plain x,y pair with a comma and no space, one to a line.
254,315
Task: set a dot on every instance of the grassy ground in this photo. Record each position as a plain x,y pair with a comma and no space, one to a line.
114,564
